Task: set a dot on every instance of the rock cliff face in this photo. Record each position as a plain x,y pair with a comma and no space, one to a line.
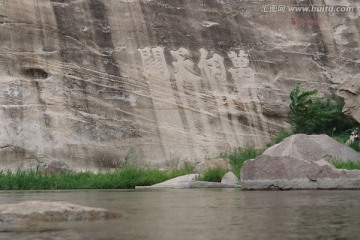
350,92
93,84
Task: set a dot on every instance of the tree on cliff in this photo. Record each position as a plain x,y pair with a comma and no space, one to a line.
318,115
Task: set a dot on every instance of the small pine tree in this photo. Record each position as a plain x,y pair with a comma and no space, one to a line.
313,115
301,110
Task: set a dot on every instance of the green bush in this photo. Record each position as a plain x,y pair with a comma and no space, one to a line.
314,115
238,157
279,137
212,175
355,145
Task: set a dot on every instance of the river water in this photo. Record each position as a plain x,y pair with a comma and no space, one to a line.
220,214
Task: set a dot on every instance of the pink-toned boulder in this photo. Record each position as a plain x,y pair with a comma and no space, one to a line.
313,148
301,162
274,172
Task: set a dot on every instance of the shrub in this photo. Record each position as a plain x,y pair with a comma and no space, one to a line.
238,157
314,115
212,175
355,145
279,137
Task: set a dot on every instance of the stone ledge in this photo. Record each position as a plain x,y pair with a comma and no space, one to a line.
302,184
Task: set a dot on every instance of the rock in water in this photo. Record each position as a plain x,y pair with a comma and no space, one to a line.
92,84
53,211
301,162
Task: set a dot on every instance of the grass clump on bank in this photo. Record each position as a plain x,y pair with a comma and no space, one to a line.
125,178
238,157
349,165
212,175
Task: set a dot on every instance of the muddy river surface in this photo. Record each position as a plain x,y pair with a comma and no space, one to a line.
198,214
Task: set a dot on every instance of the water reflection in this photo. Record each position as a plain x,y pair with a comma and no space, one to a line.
200,214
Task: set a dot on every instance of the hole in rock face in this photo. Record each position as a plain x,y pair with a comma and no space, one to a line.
35,73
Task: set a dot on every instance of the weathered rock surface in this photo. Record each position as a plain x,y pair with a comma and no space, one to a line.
52,211
212,163
313,148
88,83
230,178
189,181
350,92
301,162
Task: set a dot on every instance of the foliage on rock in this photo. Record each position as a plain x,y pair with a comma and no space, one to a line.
318,115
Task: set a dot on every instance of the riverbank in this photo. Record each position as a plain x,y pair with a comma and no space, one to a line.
129,177
124,178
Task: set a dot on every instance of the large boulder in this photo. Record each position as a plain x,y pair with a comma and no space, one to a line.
53,211
302,162
286,172
313,148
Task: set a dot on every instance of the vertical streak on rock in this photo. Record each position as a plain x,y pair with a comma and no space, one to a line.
180,105
157,143
258,122
103,36
219,118
38,83
97,97
178,130
64,18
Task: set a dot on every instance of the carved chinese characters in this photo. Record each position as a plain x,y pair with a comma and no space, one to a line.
182,65
154,62
214,67
211,67
199,84
241,65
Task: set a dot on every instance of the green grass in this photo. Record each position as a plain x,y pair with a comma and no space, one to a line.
279,137
212,175
238,157
349,165
125,178
355,145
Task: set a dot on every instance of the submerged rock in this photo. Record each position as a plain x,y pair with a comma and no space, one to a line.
301,162
53,212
